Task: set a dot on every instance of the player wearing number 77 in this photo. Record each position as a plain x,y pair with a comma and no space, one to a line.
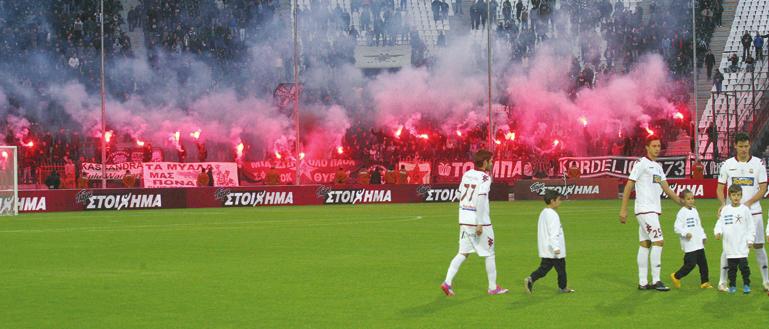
648,179
475,232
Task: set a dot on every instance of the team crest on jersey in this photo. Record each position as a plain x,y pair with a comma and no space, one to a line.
657,179
750,171
485,178
743,181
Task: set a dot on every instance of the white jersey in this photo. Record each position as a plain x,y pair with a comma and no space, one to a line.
550,235
474,198
688,221
737,229
748,175
647,176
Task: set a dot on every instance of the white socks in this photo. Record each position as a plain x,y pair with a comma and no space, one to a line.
762,264
454,267
491,271
723,269
656,263
643,266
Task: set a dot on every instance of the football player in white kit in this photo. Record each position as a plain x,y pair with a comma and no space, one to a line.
750,173
475,232
648,179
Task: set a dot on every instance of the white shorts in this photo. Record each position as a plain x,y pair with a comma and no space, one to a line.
649,228
470,243
759,238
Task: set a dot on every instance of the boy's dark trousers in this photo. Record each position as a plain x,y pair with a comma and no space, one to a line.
546,265
744,269
692,259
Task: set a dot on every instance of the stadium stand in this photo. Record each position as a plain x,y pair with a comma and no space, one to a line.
743,84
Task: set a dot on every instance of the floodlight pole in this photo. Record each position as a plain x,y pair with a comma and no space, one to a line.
103,105
696,130
488,69
297,151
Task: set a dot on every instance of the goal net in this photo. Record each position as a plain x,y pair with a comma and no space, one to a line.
9,186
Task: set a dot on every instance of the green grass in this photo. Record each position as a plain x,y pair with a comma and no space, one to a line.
343,266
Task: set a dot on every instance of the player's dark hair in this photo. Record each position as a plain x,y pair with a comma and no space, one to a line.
551,195
735,189
741,137
650,139
481,156
684,193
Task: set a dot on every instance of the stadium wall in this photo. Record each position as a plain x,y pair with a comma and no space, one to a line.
225,197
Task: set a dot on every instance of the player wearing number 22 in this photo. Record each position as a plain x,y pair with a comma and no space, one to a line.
475,232
648,179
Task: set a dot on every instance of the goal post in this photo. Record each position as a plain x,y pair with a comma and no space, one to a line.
9,181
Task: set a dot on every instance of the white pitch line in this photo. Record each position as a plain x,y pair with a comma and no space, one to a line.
213,225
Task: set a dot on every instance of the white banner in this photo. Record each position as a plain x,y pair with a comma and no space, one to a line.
382,57
113,171
172,174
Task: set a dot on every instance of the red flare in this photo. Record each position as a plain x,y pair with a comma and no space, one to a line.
583,121
510,136
139,142
301,155
424,136
239,150
496,141
556,142
108,136
196,134
339,149
459,133
176,136
398,132
29,144
649,132
678,115
5,154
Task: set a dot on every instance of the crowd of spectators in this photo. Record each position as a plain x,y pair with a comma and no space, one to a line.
220,33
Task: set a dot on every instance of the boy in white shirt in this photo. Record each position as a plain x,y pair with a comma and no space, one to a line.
736,227
689,229
551,244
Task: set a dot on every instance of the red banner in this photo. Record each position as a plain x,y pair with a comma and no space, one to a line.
215,197
418,173
313,171
503,170
575,189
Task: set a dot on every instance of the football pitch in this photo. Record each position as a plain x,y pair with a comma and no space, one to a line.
361,266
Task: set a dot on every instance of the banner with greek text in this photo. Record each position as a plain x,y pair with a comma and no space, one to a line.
113,171
172,174
312,171
503,170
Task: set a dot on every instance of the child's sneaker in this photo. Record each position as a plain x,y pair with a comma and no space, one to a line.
527,284
746,289
766,286
706,285
732,290
676,282
498,291
722,287
447,289
567,290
